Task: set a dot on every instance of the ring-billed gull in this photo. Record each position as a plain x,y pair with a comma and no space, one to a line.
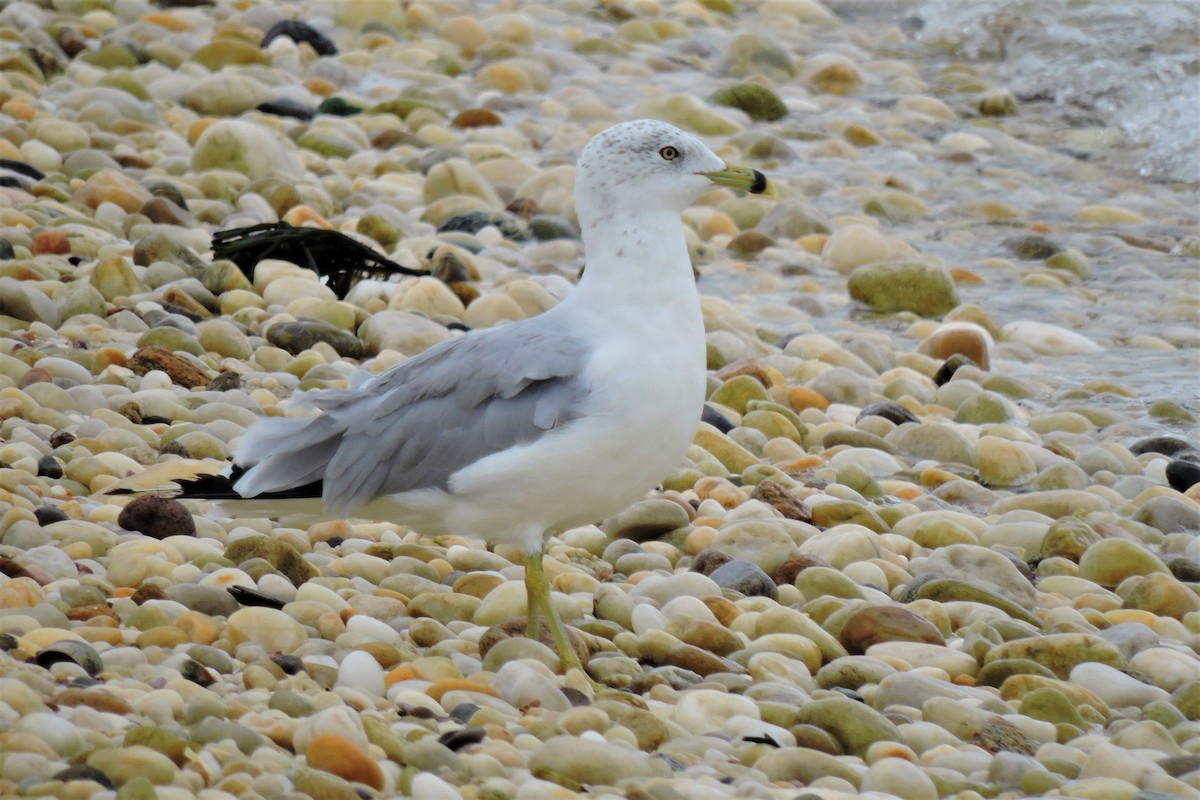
514,433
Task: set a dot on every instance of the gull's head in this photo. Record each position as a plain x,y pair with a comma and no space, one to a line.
647,165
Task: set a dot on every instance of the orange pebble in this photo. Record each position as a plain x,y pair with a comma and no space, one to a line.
298,216
124,591
404,672
18,109
199,628
342,757
97,634
437,690
1039,227
168,21
800,398
198,127
965,276
700,538
800,464
1118,615
813,243
936,477
320,87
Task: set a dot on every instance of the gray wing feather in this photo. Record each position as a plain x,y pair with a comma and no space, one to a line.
417,424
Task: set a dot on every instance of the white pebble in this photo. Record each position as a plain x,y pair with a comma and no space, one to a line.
360,670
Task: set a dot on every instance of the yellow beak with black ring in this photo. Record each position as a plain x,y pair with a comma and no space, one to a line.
747,179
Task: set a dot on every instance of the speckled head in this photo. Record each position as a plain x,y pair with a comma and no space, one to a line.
647,165
641,166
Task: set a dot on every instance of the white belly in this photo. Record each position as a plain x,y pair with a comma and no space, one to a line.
638,422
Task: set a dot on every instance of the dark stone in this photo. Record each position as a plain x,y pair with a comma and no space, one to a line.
287,107
291,665
463,737
716,419
1166,445
889,410
339,107
157,516
47,515
447,267
82,772
7,253
708,561
951,365
167,191
300,335
196,673
253,597
1185,569
463,712
210,600
299,31
20,167
1181,475
49,467
79,653
1180,765
758,102
745,577
59,438
1032,246
509,225
545,227
225,382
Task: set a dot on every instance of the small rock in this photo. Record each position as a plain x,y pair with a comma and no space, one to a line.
914,286
157,516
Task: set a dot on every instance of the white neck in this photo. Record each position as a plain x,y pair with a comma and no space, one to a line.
637,260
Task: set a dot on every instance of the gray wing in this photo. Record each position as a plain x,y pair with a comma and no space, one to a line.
418,423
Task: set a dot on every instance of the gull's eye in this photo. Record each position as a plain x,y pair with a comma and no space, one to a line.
669,153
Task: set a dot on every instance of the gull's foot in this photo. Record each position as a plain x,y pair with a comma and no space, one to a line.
574,657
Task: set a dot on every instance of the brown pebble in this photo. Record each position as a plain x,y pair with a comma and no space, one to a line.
708,560
52,242
786,503
524,207
90,612
149,591
97,699
181,371
886,623
787,571
157,516
476,118
12,569
35,375
163,211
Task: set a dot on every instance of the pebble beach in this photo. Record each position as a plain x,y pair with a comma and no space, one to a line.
936,537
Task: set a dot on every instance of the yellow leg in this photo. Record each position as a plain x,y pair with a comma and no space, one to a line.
539,603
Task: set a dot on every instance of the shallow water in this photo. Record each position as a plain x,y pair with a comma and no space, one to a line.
1120,129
